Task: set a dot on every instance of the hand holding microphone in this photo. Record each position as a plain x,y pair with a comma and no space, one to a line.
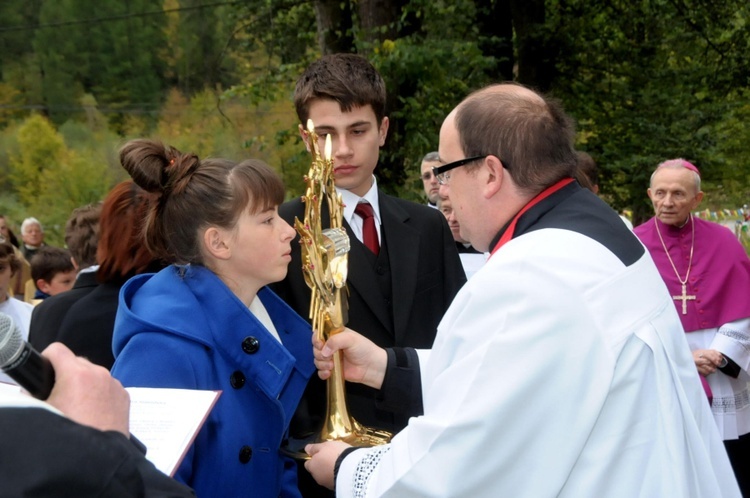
22,362
84,392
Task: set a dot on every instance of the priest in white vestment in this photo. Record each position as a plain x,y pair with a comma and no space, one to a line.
561,368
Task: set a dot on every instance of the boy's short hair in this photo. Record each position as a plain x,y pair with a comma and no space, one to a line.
349,79
48,262
82,234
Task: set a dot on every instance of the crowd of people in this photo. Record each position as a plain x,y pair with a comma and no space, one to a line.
581,358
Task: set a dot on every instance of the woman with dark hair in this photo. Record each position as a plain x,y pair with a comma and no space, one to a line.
87,327
208,321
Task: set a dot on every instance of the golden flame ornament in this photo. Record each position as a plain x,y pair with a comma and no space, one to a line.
325,265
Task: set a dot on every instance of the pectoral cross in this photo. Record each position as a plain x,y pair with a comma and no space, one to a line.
684,298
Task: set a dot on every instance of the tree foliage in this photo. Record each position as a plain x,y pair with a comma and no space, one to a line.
645,81
658,80
49,178
40,148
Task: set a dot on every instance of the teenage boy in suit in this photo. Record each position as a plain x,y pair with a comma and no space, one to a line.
398,292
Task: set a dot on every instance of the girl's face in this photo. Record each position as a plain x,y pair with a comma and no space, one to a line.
260,248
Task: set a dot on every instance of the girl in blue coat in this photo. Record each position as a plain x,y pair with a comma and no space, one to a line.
208,321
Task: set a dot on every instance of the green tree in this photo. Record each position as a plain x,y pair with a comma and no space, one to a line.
112,55
40,148
16,18
50,179
646,81
20,80
61,59
649,82
124,72
426,51
81,179
195,44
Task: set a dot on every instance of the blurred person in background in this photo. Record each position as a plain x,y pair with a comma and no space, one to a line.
18,282
32,235
81,239
19,311
429,182
6,232
88,324
587,174
53,272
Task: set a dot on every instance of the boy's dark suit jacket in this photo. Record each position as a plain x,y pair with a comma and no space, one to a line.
426,274
87,328
48,315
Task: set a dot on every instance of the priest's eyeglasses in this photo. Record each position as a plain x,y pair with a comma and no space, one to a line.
442,172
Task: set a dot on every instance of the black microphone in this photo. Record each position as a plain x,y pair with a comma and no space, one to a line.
22,362
26,366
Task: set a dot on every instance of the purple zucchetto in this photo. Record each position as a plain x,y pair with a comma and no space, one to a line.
679,162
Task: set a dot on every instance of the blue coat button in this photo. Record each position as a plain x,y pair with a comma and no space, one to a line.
250,345
246,453
237,379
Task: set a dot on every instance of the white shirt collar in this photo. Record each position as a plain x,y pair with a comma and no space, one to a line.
351,200
88,269
258,309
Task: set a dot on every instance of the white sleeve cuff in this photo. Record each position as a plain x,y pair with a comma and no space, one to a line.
733,340
356,470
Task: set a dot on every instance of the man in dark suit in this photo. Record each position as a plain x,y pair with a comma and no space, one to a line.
429,182
81,238
400,287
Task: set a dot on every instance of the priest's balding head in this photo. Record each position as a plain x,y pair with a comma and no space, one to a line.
500,147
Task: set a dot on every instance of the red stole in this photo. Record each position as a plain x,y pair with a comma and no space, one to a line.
508,234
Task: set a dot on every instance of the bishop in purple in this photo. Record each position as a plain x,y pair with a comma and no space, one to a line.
707,272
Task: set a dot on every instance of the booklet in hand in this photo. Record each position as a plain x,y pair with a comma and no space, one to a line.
166,421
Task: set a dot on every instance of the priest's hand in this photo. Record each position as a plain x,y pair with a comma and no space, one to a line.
707,360
322,460
363,361
87,393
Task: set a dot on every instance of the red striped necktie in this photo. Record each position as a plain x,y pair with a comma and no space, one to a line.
369,231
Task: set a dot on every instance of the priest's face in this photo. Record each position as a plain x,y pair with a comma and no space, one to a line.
674,194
